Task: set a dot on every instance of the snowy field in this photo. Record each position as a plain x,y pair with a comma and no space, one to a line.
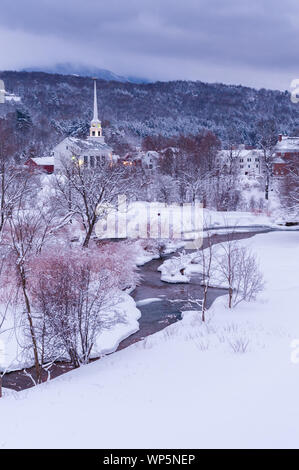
188,386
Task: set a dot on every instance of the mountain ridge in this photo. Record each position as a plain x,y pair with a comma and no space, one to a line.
67,68
60,105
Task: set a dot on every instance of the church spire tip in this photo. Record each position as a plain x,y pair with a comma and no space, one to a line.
95,102
95,128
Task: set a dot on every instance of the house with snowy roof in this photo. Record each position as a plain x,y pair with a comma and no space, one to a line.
43,164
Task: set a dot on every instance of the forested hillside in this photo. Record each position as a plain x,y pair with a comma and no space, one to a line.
58,105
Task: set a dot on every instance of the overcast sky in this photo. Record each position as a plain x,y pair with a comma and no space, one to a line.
252,42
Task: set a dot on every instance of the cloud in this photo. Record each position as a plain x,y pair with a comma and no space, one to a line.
249,41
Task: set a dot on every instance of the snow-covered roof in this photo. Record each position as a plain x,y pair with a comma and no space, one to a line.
152,153
287,143
241,153
43,160
11,97
173,149
278,160
88,144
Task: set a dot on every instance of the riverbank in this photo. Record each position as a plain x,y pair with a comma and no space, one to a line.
187,386
155,316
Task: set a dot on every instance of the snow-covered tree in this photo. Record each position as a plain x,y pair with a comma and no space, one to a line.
239,271
289,185
87,194
75,294
267,139
27,231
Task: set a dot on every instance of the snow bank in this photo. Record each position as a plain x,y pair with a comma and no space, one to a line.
147,301
108,340
148,250
173,270
14,357
180,268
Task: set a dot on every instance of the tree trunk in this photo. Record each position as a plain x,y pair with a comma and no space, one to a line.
89,232
87,238
230,296
204,303
2,198
31,327
267,191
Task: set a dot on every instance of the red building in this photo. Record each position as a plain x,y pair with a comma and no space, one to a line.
286,149
44,164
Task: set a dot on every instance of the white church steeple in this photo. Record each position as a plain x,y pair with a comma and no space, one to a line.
95,126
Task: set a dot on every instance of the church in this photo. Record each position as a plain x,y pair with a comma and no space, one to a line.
89,152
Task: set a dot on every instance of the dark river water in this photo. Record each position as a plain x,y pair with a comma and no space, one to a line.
157,315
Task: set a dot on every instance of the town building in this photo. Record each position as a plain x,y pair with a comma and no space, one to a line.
241,159
7,97
43,164
89,152
286,148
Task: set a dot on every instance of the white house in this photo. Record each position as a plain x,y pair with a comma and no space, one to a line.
150,159
246,161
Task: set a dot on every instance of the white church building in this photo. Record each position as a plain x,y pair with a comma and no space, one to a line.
89,152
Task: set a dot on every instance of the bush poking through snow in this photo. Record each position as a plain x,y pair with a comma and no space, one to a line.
239,345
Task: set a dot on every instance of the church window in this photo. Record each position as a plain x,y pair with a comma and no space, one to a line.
92,161
86,160
93,133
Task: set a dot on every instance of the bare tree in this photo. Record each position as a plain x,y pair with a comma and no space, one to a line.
166,188
75,297
238,269
267,137
207,258
249,279
13,180
28,231
192,181
7,299
289,186
85,193
192,303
